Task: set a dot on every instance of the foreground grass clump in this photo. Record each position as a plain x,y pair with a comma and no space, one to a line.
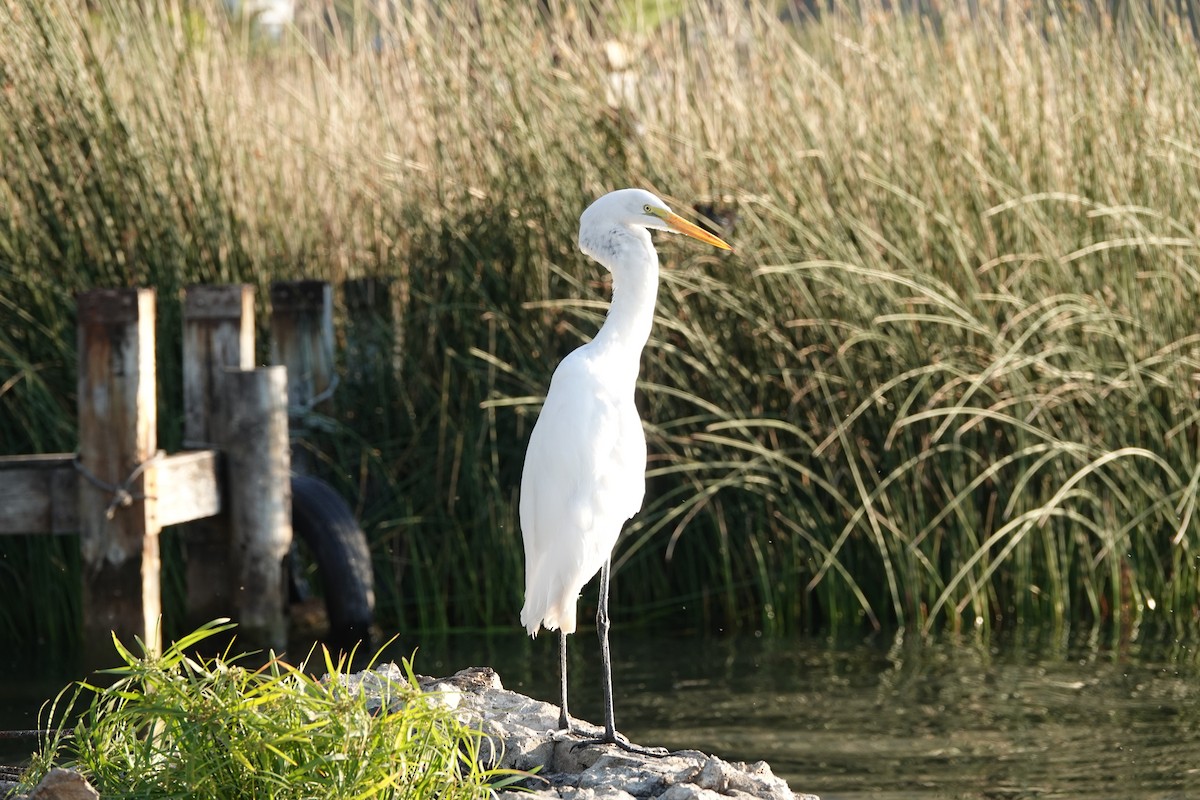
947,380
177,725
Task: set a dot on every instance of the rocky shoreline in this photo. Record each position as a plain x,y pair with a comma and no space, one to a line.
521,733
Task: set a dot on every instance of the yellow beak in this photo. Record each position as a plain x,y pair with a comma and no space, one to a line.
681,225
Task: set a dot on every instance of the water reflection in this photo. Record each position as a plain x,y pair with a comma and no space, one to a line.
894,720
878,719
22,694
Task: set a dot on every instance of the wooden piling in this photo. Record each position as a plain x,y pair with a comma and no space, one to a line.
254,437
373,348
117,491
302,340
39,494
218,335
374,334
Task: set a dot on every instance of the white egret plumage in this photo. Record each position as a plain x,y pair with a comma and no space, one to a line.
585,469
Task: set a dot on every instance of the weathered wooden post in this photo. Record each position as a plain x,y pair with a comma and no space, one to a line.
374,349
218,335
374,334
118,515
302,340
235,562
253,434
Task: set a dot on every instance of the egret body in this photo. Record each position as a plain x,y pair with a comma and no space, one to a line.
585,469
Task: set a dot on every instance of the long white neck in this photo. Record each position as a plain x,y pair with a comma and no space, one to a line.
630,256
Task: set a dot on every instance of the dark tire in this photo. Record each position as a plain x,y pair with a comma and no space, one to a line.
322,519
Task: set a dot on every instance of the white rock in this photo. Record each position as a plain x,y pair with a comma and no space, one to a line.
689,791
623,773
522,733
569,793
63,784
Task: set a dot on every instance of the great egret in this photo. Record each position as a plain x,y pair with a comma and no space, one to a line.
585,469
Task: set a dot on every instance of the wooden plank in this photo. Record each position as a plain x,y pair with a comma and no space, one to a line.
302,341
117,437
218,335
188,487
38,494
218,332
254,439
374,327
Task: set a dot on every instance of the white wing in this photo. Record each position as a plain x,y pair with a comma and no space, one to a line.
584,475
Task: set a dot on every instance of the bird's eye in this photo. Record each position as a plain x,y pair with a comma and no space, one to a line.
646,208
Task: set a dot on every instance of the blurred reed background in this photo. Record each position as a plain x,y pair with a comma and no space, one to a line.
948,379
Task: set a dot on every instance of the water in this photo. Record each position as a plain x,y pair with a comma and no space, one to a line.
881,719
885,720
21,697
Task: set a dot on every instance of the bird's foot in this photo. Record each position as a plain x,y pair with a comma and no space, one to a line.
620,741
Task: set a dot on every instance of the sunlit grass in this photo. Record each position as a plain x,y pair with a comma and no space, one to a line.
180,725
948,377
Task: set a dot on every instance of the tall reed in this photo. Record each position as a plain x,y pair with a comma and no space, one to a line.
946,380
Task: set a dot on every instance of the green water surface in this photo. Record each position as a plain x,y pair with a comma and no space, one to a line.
879,718
885,718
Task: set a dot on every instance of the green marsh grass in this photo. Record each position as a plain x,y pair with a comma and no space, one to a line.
178,725
948,379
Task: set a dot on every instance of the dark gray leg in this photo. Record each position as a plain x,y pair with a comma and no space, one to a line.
564,722
602,625
610,724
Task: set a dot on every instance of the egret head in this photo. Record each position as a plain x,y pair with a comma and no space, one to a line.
637,208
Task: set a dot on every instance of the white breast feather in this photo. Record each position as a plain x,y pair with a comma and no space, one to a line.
584,476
